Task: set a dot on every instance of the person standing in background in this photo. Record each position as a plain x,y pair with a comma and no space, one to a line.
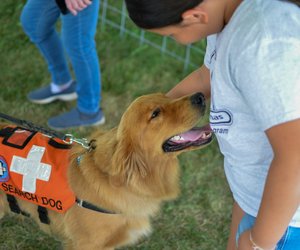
79,24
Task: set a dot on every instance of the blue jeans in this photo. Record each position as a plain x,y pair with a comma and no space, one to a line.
77,40
289,241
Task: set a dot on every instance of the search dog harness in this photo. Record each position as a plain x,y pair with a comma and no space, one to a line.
33,167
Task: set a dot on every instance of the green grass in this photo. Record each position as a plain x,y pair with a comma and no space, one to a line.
199,218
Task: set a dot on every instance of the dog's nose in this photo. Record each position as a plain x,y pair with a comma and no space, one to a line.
198,99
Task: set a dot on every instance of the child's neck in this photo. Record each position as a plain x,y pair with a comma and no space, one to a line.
230,9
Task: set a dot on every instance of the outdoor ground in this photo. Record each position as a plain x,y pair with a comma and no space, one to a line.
199,218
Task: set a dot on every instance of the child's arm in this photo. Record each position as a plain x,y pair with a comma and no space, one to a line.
282,190
197,81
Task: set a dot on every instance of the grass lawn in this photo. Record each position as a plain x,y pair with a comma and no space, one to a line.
199,218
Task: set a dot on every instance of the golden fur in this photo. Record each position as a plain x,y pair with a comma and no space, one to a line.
128,173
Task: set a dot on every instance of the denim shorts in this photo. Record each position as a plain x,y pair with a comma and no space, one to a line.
289,241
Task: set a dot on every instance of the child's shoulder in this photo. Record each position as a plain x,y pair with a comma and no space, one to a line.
269,15
280,18
258,22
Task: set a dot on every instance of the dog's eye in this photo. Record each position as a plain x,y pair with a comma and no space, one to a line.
155,113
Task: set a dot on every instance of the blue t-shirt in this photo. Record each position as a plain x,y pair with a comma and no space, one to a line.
255,84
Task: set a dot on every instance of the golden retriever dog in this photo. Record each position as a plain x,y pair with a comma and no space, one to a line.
131,170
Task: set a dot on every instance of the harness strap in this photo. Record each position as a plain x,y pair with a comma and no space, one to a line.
14,206
33,127
88,205
66,138
43,215
5,132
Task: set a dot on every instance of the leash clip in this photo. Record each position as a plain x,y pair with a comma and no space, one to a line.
69,139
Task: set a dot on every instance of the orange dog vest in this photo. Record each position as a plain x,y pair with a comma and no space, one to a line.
33,167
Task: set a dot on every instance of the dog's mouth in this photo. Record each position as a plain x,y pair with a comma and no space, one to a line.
193,138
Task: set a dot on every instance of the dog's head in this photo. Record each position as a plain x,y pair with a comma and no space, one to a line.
163,125
156,127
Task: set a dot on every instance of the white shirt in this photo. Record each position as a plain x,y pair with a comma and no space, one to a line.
255,84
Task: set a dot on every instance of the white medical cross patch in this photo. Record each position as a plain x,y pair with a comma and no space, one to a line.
31,168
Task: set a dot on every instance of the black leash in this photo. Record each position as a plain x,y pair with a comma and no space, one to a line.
34,127
67,138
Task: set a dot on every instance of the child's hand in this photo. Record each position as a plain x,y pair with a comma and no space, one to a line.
77,5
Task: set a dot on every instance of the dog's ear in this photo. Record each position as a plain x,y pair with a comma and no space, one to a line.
128,163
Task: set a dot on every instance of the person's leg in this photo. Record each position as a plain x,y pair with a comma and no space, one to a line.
237,215
38,19
78,33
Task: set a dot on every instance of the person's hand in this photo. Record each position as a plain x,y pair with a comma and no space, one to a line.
74,6
244,241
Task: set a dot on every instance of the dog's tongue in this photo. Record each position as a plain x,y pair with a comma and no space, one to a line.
192,135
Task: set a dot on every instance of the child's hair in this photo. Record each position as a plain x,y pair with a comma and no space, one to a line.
297,2
150,14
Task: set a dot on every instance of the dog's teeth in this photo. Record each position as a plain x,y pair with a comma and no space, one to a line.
205,136
177,138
